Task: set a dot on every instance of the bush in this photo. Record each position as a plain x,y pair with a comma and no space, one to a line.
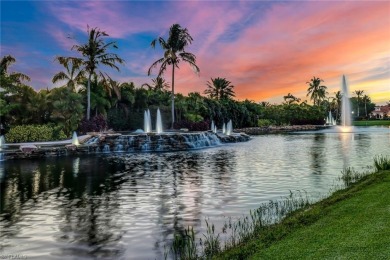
34,133
264,122
95,124
193,118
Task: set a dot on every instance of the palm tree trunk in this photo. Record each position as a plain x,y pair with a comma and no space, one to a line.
365,107
173,94
89,97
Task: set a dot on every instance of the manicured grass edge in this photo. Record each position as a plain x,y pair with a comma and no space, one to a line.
298,219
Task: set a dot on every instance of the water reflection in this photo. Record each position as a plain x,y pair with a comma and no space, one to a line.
129,205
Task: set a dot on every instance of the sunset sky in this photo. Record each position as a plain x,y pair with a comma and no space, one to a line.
265,48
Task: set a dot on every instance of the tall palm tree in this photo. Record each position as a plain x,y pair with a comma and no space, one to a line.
94,53
219,88
73,73
366,99
174,52
316,91
359,94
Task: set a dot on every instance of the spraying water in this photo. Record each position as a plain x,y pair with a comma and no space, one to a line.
147,122
159,128
345,106
229,128
75,140
2,141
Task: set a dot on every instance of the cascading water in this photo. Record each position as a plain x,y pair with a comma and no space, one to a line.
159,128
345,105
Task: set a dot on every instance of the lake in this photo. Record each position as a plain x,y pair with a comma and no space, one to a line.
128,205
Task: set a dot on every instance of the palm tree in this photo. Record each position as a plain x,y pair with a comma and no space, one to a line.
358,93
316,91
219,88
289,99
9,81
73,74
366,99
94,53
158,83
174,52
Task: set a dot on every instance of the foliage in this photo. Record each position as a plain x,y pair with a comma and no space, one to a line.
67,109
96,124
193,117
264,122
34,133
219,88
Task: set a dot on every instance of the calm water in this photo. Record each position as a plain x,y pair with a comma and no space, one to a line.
125,206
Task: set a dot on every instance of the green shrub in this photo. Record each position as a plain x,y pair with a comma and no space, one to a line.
193,118
34,133
264,122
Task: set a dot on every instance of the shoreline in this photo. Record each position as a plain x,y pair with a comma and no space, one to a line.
280,129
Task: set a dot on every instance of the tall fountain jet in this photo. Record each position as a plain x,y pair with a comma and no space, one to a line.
159,128
147,122
345,106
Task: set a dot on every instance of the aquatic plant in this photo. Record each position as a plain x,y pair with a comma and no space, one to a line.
382,163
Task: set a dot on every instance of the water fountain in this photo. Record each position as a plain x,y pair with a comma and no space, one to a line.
345,109
159,128
2,141
229,128
75,140
224,128
147,122
212,126
330,120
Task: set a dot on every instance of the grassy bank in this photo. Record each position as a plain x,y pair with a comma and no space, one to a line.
371,122
351,224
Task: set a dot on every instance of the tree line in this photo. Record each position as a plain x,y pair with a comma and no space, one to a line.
91,100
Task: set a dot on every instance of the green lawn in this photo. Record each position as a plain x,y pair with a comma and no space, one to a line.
371,122
351,224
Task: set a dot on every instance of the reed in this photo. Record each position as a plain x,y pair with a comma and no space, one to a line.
382,163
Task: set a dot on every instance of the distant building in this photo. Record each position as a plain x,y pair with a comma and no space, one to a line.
380,112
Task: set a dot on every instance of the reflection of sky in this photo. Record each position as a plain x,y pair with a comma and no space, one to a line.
321,38
130,204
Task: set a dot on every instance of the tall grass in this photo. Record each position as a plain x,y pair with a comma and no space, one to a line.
185,246
382,163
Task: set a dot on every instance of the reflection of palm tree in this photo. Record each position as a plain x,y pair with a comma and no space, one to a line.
219,88
174,52
316,91
73,74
